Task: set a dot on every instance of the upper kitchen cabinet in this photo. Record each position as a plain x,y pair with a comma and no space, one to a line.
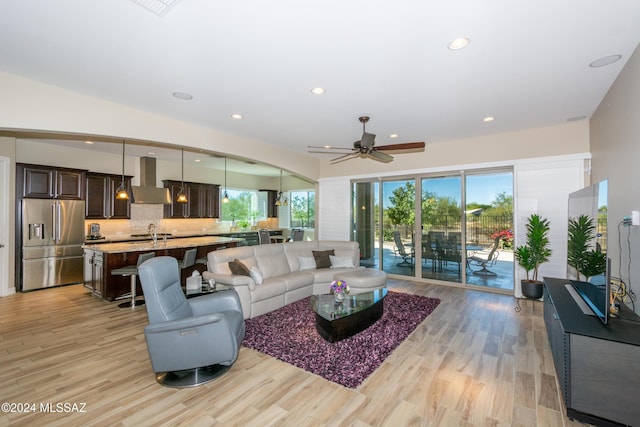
101,202
272,209
47,182
202,200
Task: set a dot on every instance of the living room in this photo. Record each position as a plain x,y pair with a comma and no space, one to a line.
114,375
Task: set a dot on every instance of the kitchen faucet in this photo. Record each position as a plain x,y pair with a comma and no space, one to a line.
153,230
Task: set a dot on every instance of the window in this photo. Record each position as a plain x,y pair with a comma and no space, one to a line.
303,209
242,206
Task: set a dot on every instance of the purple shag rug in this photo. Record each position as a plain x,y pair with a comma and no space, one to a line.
289,334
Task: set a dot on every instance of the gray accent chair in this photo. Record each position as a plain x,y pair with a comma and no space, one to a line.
190,341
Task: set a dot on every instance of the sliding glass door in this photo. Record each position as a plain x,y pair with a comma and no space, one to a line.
398,223
452,228
441,212
489,224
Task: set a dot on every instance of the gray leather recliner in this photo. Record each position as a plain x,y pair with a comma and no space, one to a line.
190,341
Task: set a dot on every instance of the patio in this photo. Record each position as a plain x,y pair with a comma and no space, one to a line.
503,268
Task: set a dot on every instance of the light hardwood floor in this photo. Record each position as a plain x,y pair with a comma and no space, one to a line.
473,362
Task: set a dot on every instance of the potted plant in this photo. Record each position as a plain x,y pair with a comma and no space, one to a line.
535,252
585,261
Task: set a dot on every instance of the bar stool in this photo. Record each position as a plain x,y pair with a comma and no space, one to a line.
132,271
189,258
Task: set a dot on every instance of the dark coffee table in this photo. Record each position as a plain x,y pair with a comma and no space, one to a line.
337,321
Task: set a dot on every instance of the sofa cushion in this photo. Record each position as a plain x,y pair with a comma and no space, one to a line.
270,288
271,260
342,248
237,267
306,263
341,261
322,258
296,250
256,275
297,280
218,260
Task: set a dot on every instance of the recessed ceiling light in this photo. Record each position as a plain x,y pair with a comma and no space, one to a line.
459,43
197,160
488,119
151,153
89,142
236,116
601,62
183,95
393,135
318,91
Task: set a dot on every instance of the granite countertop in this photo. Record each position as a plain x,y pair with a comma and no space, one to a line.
147,245
170,236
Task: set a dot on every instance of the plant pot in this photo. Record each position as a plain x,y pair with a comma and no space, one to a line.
531,289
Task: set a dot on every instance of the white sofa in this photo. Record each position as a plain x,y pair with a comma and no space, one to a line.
279,264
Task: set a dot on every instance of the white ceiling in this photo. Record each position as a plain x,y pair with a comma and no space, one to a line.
527,64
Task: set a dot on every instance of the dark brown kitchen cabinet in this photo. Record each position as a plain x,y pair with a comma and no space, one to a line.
211,201
272,209
47,182
101,202
202,200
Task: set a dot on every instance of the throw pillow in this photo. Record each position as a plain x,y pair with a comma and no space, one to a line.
256,275
340,261
237,267
306,263
322,258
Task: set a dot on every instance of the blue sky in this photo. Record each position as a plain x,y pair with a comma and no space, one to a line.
481,189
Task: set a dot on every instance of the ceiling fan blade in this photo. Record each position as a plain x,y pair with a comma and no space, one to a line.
379,156
406,147
368,140
327,147
344,158
337,159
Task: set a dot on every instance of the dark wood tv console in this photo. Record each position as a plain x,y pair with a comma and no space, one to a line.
597,365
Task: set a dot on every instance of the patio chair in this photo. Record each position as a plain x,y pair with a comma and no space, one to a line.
483,259
407,257
428,253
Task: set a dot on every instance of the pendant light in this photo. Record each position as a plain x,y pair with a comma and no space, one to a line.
225,198
281,200
182,197
121,192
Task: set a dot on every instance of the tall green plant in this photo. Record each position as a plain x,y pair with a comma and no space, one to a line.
581,232
537,249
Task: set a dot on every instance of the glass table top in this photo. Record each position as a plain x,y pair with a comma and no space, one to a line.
325,306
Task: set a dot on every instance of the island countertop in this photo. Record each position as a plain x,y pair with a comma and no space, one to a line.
147,245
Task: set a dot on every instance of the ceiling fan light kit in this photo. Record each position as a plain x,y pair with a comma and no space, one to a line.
366,148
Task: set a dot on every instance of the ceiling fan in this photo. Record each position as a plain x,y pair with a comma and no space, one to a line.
366,148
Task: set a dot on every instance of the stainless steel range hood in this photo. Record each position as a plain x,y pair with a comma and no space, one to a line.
147,192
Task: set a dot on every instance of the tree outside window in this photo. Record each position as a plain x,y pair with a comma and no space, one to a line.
303,213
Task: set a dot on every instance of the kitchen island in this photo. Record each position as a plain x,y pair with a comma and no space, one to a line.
101,259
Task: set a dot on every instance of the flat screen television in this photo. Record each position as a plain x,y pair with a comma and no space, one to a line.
593,288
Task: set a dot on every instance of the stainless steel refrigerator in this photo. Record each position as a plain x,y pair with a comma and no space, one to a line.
52,238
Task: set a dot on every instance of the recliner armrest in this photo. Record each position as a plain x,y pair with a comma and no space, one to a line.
190,322
231,279
215,302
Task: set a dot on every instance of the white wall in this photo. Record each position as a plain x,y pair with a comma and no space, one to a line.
7,150
615,146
